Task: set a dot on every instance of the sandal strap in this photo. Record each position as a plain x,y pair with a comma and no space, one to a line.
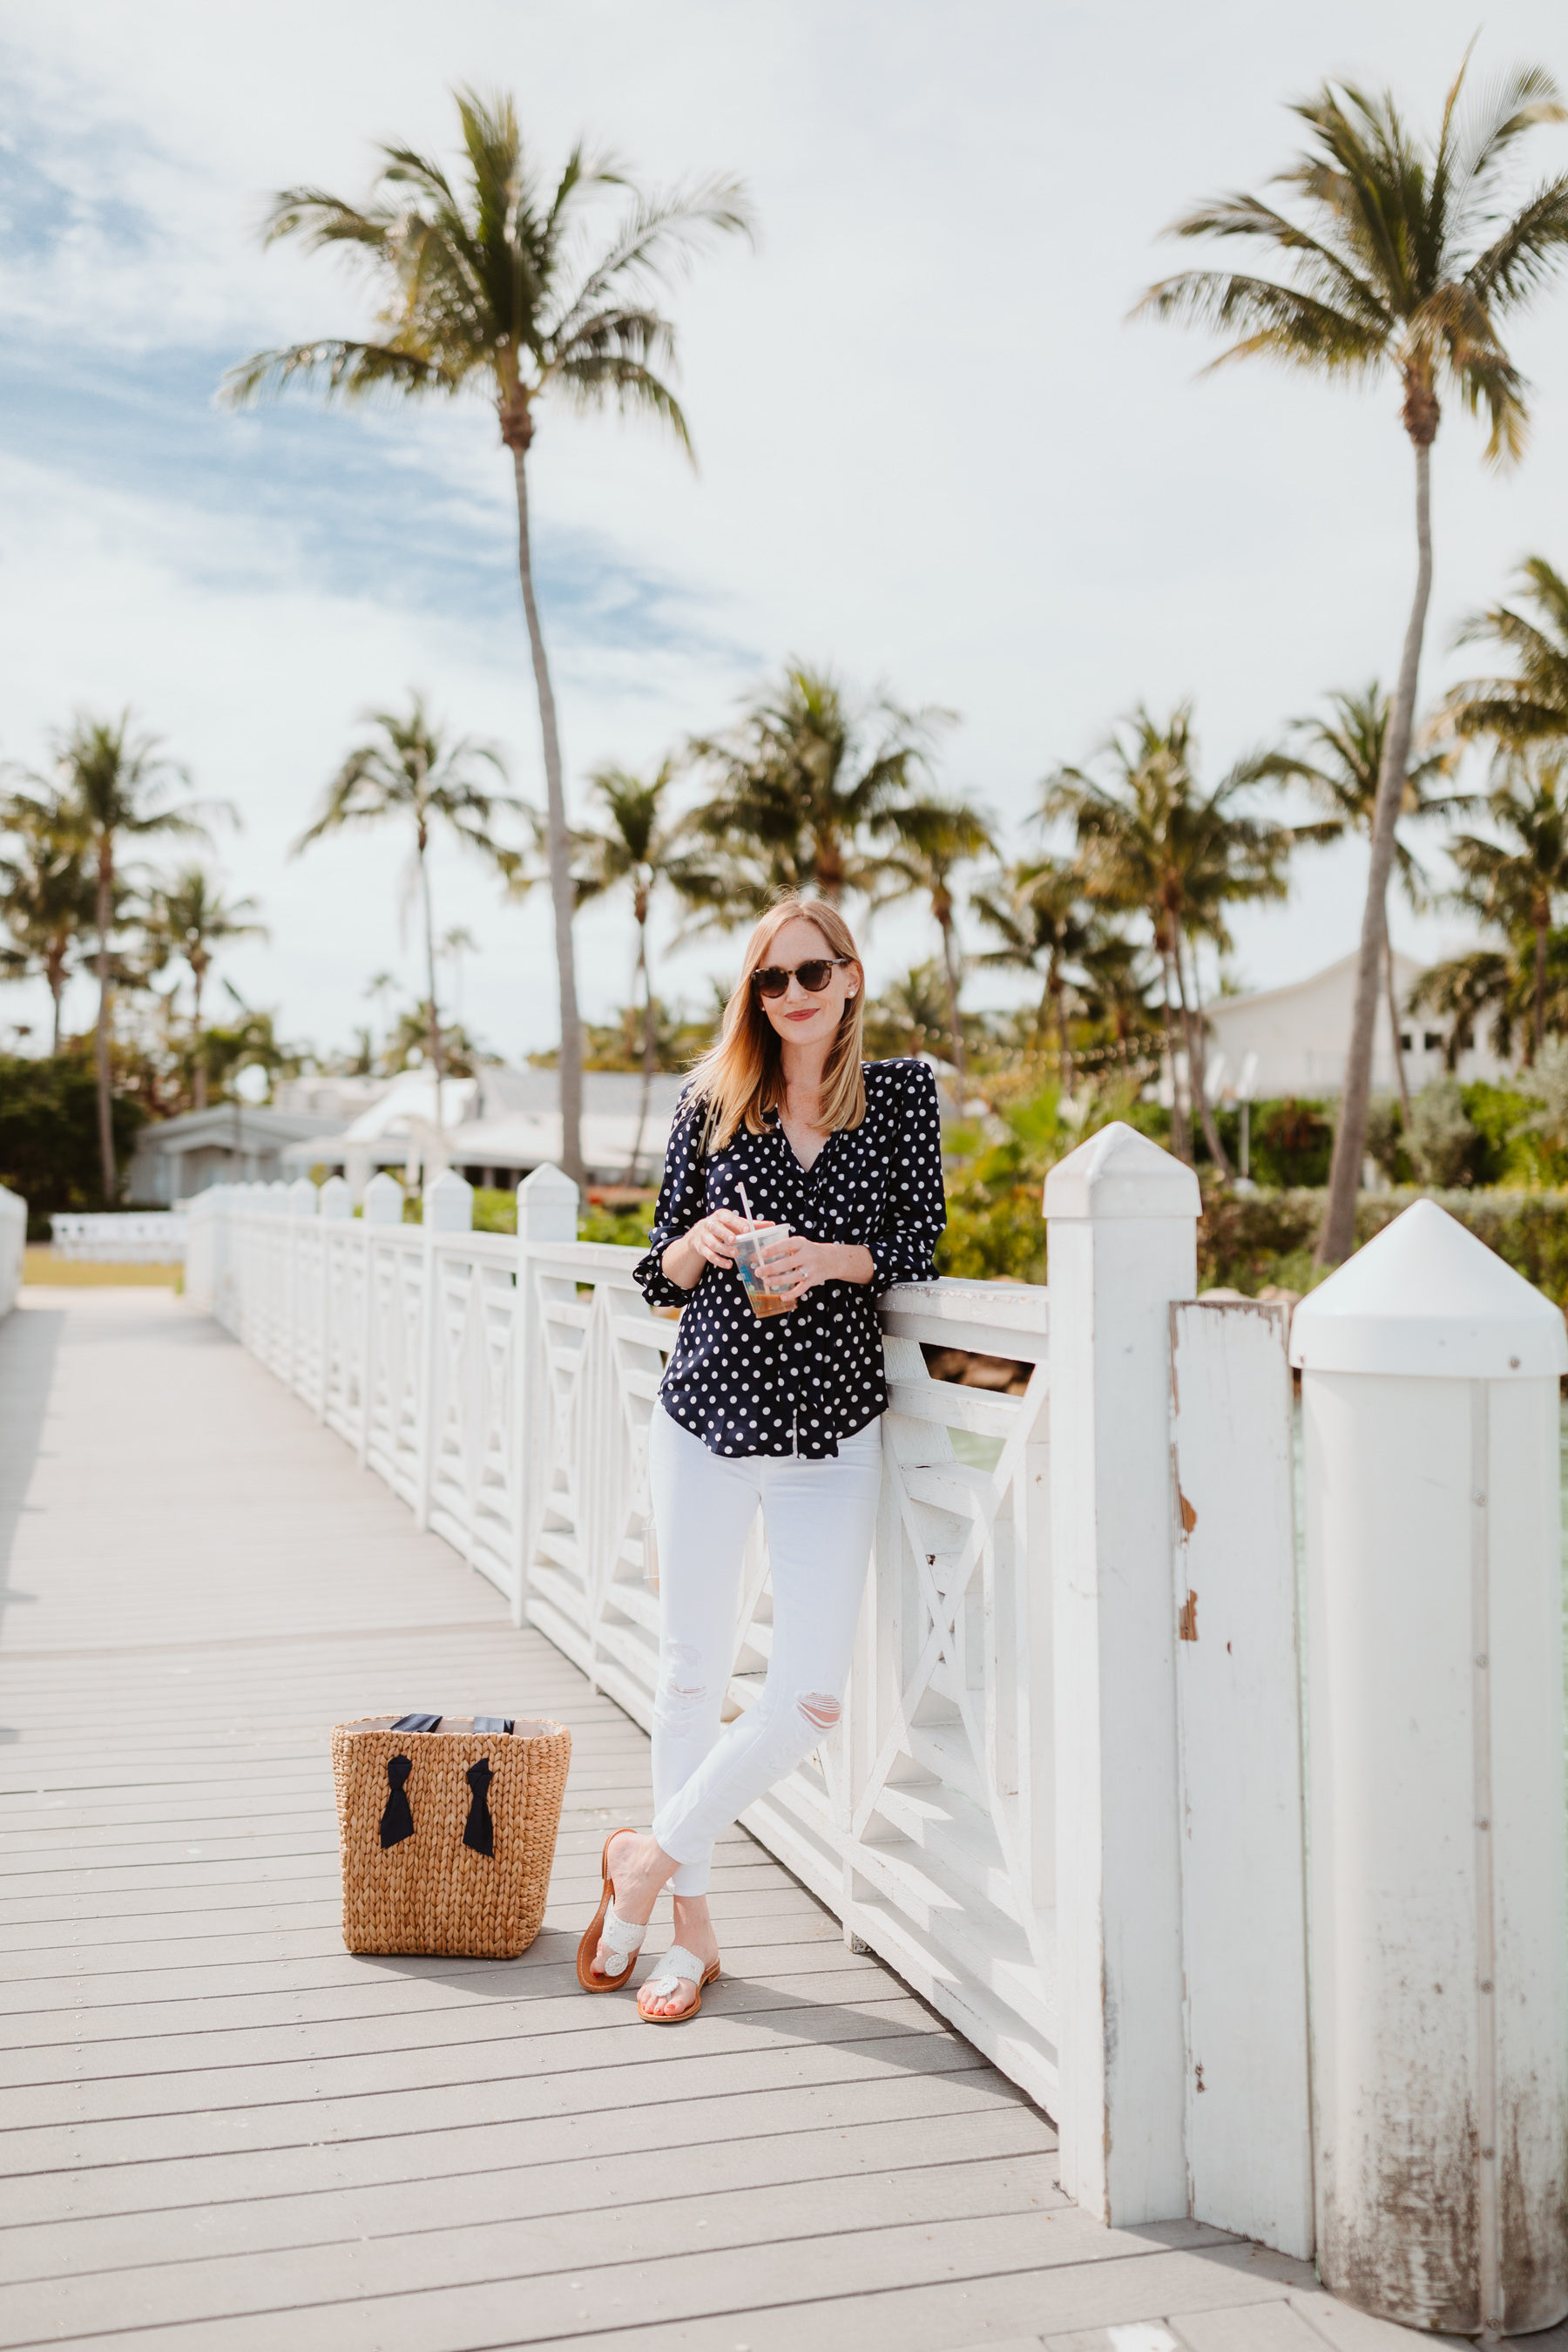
623,1938
677,1963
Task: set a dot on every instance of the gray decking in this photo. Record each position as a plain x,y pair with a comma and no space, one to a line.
220,2132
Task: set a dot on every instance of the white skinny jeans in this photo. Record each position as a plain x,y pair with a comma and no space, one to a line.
820,1517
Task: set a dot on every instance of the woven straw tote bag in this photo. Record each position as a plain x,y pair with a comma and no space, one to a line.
447,1835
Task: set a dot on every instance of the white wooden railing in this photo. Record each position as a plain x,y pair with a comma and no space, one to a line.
1089,1860
123,1237
504,1390
13,1243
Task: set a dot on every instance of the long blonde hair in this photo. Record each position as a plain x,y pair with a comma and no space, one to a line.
741,1077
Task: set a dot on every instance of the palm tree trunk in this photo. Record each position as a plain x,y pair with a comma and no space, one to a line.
1178,1117
1394,1023
436,1054
198,1062
559,849
1541,924
105,1105
1192,1030
954,1027
649,1047
55,972
1337,1239
1064,1051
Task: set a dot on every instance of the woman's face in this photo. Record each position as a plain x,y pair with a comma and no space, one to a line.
800,1018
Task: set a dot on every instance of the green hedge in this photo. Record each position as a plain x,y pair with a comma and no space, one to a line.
1245,1243
49,1135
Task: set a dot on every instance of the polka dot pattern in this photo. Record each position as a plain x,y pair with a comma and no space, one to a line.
798,1382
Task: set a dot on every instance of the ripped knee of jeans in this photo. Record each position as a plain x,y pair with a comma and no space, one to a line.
820,1709
682,1691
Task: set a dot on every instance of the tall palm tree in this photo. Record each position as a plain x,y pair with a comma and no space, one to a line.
413,773
1341,762
47,898
638,847
1404,256
1517,883
930,839
1152,841
117,784
1037,911
496,287
799,786
190,918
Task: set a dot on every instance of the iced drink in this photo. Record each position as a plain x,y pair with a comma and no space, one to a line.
751,1260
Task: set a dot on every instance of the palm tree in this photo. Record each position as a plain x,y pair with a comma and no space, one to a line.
116,784
931,838
412,773
1516,884
638,847
191,919
799,785
494,287
1404,257
1153,842
1339,764
47,898
1037,909
1533,705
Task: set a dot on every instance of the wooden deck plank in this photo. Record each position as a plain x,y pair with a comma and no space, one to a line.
222,2132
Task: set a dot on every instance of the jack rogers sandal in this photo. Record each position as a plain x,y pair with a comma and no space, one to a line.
677,1962
624,1936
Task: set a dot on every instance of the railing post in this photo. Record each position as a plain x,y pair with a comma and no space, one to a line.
1438,1891
546,1215
1122,1218
447,1208
304,1200
381,1205
337,1207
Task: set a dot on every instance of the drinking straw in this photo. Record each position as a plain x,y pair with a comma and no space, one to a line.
745,1203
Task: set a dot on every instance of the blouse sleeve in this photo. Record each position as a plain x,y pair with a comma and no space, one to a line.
682,1200
916,1198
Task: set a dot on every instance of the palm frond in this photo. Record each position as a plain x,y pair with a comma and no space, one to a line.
338,369
1288,325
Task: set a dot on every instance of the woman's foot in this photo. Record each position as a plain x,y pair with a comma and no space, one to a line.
638,1868
693,1929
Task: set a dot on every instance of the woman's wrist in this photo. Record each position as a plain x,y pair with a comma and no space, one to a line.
853,1263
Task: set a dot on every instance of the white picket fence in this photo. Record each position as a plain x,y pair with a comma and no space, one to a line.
123,1237
1022,1782
13,1243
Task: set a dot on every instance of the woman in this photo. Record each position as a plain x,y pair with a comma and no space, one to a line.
783,1125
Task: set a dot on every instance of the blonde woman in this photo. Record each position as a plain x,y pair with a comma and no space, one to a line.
781,1412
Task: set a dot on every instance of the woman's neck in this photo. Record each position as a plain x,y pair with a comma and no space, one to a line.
804,1067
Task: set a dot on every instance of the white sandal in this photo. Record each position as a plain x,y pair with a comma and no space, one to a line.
677,1963
623,1937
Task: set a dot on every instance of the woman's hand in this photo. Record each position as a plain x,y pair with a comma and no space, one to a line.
710,1242
800,1264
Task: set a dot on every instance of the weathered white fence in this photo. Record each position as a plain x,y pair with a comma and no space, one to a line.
13,1243
1020,1777
123,1237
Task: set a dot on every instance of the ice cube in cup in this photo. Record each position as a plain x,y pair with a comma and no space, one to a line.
750,1255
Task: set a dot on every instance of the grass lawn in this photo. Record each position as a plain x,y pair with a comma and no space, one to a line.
41,1265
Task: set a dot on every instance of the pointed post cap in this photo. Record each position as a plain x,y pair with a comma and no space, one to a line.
1120,1174
383,1200
547,1206
303,1199
448,1206
1427,1299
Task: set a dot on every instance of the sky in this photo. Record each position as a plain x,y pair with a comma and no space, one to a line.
933,453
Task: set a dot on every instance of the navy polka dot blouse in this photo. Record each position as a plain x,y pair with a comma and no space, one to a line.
800,1381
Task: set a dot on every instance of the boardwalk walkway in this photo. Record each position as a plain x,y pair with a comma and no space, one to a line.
221,2133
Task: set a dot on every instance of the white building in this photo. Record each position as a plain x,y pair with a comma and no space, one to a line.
1301,1035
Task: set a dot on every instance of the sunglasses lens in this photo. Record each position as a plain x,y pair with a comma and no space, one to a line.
771,982
814,977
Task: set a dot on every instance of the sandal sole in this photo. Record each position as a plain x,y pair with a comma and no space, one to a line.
587,1976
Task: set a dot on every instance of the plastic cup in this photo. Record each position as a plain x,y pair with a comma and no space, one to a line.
751,1249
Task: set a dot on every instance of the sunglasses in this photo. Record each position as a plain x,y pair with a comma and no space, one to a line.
814,976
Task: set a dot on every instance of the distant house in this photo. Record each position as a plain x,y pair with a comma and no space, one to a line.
496,1127
1296,1038
233,1143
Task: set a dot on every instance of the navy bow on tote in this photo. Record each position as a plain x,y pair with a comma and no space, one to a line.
397,1821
